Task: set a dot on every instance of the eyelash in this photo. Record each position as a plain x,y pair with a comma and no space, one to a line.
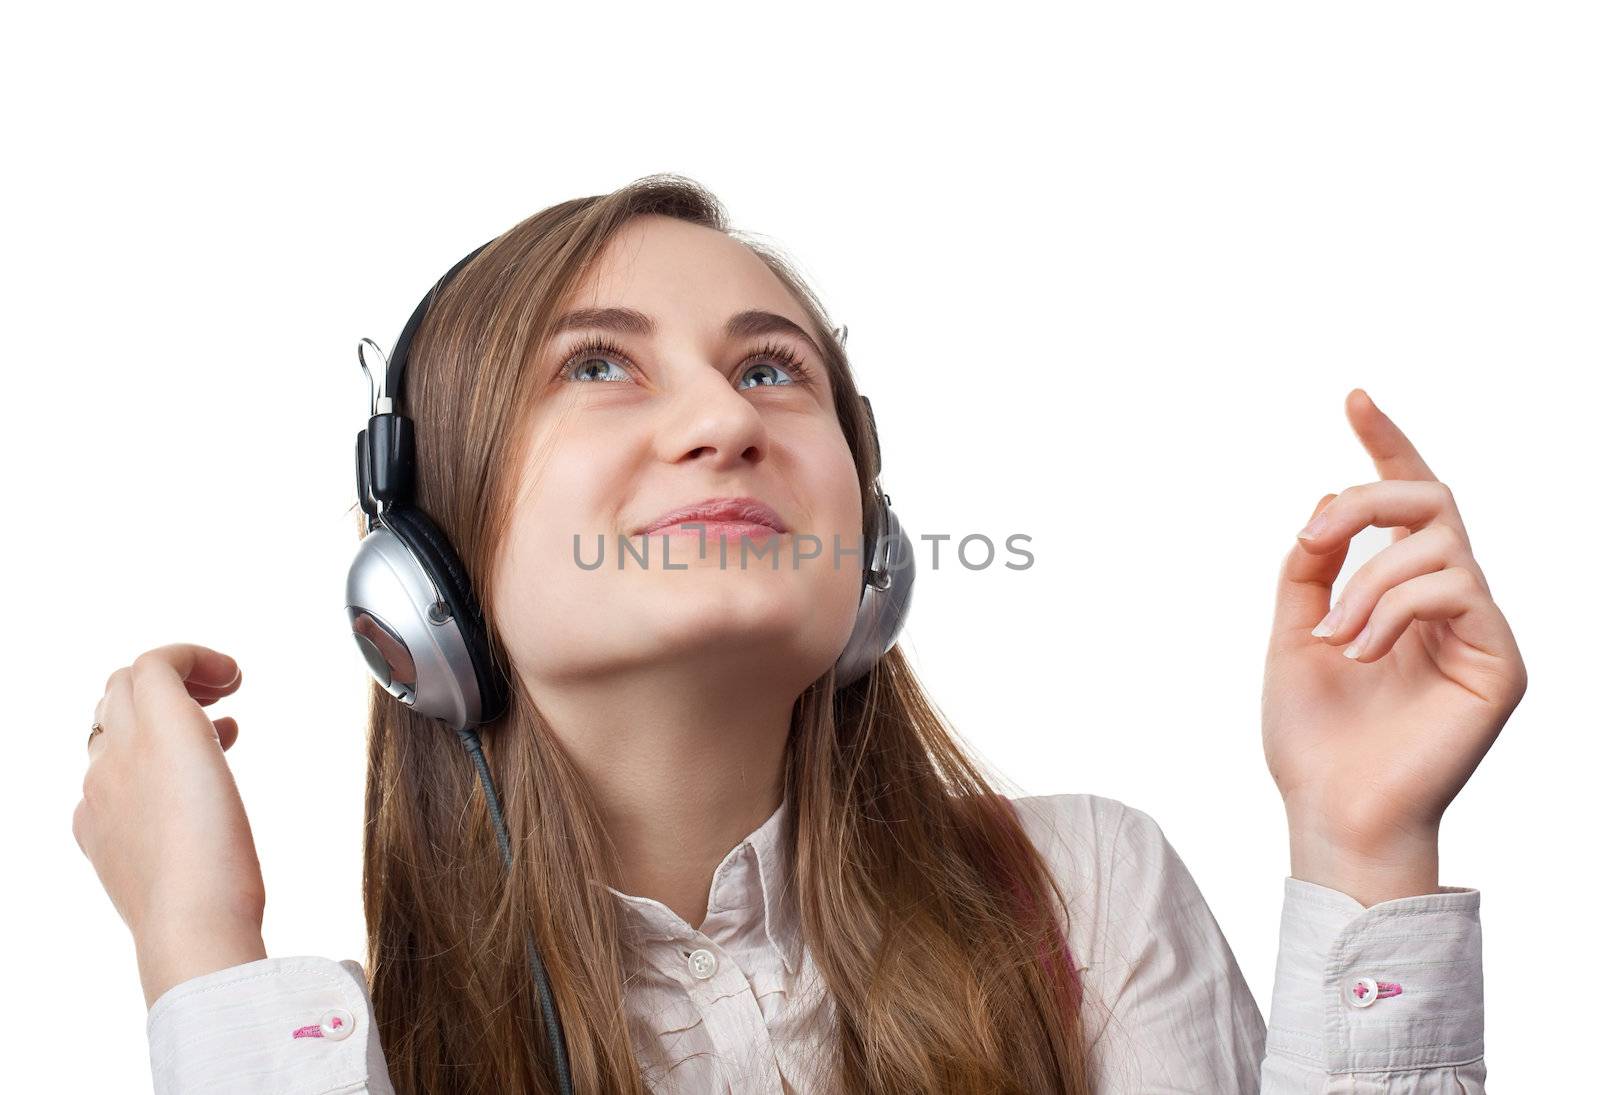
600,346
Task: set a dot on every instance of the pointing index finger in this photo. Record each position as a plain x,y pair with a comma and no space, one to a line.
1392,451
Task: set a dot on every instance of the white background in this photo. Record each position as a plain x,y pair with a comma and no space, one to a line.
1109,275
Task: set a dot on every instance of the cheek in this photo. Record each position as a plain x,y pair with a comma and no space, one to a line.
834,579
826,476
838,602
544,600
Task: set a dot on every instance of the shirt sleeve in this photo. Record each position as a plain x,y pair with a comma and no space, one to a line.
1179,1015
1387,998
276,1025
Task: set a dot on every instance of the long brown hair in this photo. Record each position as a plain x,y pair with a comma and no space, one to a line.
934,920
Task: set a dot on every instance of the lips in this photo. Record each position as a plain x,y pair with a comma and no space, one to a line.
742,509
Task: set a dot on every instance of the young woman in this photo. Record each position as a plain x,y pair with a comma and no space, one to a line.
741,872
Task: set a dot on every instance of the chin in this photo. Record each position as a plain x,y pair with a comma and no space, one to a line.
745,617
728,601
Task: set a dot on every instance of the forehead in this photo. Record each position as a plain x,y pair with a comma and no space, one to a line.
683,273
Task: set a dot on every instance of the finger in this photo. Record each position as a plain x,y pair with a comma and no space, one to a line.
1411,504
1453,595
206,695
1305,582
1391,450
161,678
1434,548
199,685
196,664
227,730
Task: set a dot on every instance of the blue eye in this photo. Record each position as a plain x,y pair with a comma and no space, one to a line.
770,383
784,361
592,350
577,366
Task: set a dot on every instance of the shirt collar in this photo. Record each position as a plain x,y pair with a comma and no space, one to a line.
758,867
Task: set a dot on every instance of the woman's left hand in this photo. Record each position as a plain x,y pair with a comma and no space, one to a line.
1368,749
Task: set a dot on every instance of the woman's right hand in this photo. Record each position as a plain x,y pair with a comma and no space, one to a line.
162,821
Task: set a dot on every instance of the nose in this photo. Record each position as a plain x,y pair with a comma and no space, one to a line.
711,421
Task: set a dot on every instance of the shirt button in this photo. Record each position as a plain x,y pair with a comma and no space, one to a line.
337,1023
702,963
1361,993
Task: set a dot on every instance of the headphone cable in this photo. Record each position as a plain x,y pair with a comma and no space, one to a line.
552,1021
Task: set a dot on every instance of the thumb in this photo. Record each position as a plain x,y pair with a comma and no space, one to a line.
1305,583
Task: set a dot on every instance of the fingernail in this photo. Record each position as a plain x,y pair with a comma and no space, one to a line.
1354,649
1318,523
1330,622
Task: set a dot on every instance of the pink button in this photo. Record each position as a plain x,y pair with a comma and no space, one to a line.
337,1023
1363,992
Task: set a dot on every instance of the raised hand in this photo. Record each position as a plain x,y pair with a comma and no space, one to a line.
1375,714
161,818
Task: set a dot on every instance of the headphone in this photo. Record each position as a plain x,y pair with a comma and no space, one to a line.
418,624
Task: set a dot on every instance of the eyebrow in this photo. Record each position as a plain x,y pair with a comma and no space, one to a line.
744,324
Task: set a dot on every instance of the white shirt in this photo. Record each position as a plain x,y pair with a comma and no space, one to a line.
738,1006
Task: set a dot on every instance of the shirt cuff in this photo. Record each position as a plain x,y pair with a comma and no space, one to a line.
301,1024
1395,986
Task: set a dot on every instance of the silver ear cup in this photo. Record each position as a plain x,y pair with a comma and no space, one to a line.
885,603
406,632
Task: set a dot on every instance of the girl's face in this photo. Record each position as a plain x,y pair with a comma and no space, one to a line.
707,387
